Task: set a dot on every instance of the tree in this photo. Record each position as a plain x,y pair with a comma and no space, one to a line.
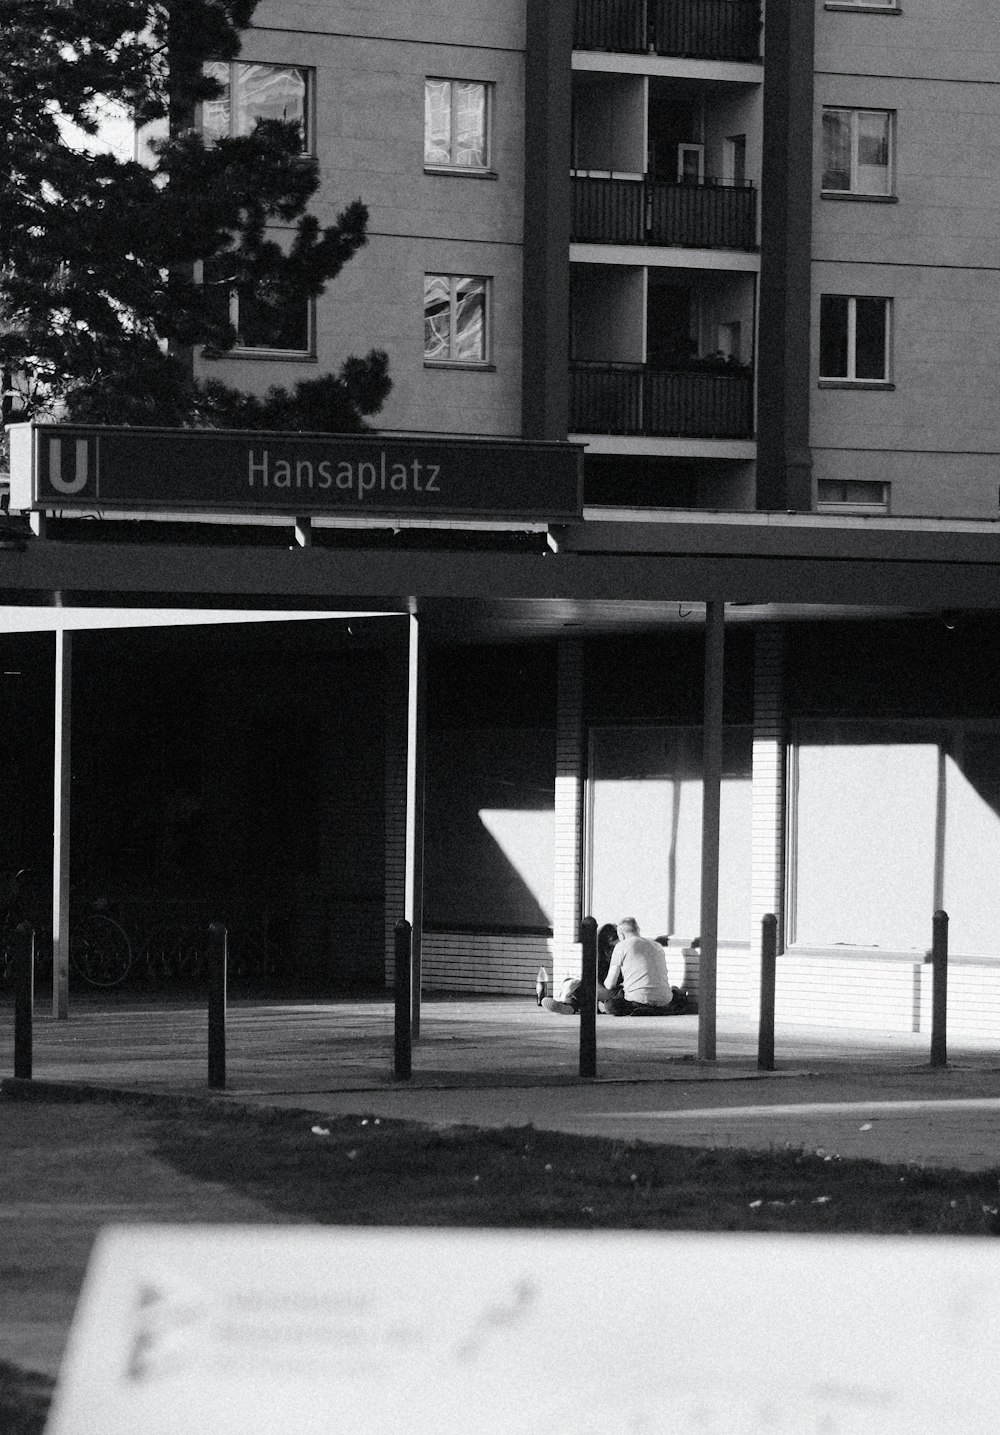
113,270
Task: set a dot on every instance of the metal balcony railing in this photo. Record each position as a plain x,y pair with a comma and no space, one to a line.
653,211
703,401
697,29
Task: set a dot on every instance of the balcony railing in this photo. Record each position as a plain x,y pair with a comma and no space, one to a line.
653,211
691,402
695,29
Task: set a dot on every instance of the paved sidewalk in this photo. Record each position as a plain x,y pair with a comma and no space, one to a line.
502,1061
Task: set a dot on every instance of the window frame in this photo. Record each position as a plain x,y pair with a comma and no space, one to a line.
866,7
309,73
265,351
880,502
850,379
853,192
451,362
483,171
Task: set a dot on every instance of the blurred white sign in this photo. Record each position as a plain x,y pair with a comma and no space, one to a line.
306,1330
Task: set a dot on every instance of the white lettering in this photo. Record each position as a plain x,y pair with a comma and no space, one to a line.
400,475
303,464
282,474
67,485
345,475
257,469
324,473
367,479
416,466
383,470
431,486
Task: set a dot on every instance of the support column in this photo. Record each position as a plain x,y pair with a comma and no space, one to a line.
767,882
406,702
60,824
570,760
710,827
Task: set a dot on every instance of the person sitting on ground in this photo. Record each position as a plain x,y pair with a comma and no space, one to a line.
640,966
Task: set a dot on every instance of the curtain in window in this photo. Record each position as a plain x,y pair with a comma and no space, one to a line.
470,125
470,320
268,92
215,113
836,149
437,122
437,316
873,153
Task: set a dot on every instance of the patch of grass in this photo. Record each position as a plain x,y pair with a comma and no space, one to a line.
371,1171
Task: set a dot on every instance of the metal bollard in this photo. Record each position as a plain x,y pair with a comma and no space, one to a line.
403,1055
939,998
588,997
24,998
768,963
218,941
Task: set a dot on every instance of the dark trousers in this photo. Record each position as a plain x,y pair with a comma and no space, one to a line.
618,1005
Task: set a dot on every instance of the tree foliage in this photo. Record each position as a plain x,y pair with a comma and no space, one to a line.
112,270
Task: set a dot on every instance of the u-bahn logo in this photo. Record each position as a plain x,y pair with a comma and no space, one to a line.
72,468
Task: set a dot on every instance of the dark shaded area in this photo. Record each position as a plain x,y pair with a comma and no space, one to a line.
661,679
926,667
623,481
491,745
503,686
24,1399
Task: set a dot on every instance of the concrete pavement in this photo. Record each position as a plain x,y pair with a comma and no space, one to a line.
493,1062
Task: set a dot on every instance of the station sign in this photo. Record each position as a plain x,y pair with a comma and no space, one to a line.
67,466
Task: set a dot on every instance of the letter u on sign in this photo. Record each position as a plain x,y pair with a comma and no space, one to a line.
59,477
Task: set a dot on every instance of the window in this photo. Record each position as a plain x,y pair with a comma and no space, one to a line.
253,92
856,494
857,156
265,322
457,124
456,319
854,338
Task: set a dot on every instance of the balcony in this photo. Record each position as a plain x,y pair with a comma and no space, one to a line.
711,215
699,401
690,29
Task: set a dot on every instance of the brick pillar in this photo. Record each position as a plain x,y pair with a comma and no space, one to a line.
768,820
570,758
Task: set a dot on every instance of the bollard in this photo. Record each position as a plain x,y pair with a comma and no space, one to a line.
24,998
768,962
588,997
403,1056
939,998
218,941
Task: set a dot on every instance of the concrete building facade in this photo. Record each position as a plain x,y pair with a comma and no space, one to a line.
746,255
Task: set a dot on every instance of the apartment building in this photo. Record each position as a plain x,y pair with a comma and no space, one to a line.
745,253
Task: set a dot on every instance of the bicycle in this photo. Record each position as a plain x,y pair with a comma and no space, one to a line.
100,952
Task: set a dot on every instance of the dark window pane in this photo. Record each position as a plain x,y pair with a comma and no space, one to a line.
833,336
266,323
836,150
870,345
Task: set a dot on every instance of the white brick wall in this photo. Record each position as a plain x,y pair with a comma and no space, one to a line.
492,965
767,821
568,811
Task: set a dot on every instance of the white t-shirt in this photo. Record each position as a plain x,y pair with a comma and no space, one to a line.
643,966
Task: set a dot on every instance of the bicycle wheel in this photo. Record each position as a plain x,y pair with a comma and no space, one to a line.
99,950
